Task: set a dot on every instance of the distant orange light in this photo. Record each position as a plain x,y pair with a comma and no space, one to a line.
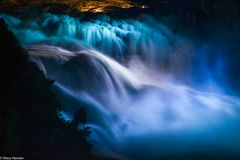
95,6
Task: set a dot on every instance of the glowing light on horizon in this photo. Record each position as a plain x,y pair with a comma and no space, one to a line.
93,6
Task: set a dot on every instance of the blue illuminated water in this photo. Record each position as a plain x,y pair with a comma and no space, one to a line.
148,92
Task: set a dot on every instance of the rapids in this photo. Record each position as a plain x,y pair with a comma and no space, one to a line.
148,92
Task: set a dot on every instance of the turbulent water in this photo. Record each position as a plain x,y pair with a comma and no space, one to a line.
148,92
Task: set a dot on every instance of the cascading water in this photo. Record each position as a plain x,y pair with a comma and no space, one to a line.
137,81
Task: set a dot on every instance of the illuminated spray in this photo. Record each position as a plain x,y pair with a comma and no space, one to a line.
123,72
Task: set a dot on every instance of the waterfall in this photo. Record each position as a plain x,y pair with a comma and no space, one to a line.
148,93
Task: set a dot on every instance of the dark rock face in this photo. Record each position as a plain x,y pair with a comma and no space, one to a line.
30,125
